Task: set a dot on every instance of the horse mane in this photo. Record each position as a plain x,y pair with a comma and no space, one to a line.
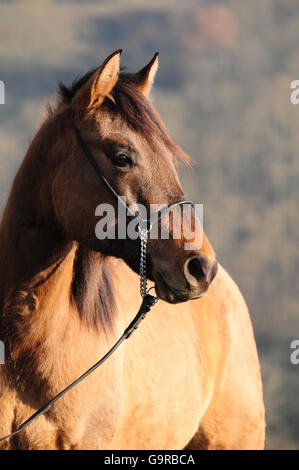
92,289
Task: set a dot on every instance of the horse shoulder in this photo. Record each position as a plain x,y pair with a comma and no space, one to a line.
235,416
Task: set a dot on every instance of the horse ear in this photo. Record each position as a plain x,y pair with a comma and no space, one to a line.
101,83
106,77
144,79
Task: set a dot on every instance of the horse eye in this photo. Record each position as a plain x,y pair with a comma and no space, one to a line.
122,160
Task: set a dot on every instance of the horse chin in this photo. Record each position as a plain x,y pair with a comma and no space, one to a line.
168,294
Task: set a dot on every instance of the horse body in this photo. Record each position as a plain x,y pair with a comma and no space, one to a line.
188,377
190,373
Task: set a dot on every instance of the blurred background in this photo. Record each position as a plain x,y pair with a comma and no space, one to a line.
223,90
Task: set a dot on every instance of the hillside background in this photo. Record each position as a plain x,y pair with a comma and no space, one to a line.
223,90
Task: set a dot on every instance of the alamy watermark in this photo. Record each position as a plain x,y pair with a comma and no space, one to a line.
294,357
183,222
294,96
2,92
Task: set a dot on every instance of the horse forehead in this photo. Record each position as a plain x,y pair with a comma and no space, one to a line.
115,128
110,121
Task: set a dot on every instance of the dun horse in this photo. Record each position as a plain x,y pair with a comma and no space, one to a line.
189,377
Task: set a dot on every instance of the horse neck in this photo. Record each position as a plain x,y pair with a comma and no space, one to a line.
36,258
65,304
29,232
32,244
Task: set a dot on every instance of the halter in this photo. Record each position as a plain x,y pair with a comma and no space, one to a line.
148,300
144,225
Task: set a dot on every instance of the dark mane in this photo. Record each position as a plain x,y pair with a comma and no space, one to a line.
133,108
92,289
67,93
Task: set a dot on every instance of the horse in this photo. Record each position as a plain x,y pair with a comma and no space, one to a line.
189,378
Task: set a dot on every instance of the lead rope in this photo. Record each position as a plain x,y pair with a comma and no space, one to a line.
147,303
142,269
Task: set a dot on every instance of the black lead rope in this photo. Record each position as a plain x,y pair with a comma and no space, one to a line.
147,303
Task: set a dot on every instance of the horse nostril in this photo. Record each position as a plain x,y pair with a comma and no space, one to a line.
198,268
195,268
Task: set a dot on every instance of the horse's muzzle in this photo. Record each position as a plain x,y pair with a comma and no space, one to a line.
193,282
